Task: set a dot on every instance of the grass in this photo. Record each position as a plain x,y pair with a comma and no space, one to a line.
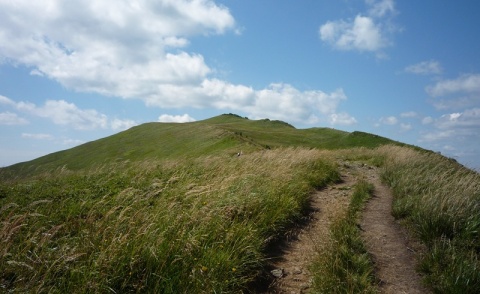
167,208
439,200
172,226
219,135
345,266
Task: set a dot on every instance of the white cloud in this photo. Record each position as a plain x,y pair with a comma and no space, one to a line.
469,83
405,127
123,49
61,112
10,119
363,33
391,120
380,8
456,126
136,50
37,136
469,118
6,101
425,68
65,113
460,93
122,124
342,119
277,101
175,118
285,102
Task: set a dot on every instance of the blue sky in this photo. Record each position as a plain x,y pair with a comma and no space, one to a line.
76,71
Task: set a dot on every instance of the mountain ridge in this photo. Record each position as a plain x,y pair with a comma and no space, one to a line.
223,134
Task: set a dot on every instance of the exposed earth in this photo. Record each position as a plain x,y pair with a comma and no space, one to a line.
393,253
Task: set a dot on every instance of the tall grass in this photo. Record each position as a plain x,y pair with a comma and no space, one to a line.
344,266
440,201
183,226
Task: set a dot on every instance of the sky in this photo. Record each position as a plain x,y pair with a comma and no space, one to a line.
80,70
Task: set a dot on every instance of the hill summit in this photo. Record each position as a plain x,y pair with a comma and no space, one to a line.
223,134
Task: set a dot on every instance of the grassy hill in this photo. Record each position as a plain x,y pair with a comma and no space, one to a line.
169,208
224,134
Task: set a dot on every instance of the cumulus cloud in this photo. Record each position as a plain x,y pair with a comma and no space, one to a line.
122,49
277,101
365,32
138,50
65,113
425,68
361,34
175,118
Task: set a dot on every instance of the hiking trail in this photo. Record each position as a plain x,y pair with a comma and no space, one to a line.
393,253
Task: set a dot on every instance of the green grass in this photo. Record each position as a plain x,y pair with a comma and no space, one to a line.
172,226
168,208
345,266
224,134
439,200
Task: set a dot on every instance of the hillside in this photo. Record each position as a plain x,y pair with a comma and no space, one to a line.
170,208
224,134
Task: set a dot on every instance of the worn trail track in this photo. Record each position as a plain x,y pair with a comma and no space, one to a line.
391,251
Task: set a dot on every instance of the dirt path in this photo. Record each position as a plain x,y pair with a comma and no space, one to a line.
392,251
392,254
291,267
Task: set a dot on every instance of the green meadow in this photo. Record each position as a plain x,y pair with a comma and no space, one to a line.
171,208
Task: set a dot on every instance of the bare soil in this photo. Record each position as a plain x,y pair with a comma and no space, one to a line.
392,252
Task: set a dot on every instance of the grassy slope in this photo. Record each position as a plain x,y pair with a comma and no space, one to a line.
182,179
224,134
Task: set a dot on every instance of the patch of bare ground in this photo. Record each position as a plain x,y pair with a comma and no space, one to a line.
291,274
392,251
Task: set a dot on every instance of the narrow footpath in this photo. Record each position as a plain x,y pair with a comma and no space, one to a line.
392,251
393,254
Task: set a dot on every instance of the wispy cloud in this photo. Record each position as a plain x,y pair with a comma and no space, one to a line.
39,136
409,114
370,32
459,93
10,119
431,67
390,120
469,83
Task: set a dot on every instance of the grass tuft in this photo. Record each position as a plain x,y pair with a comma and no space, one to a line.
345,266
440,201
